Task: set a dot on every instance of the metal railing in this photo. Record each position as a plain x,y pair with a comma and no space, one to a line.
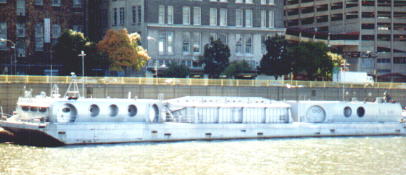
193,82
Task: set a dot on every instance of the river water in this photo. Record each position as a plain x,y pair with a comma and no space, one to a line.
309,156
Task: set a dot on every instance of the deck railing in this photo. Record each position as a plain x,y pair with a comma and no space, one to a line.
193,82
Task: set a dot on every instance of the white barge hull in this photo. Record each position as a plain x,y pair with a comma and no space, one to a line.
98,133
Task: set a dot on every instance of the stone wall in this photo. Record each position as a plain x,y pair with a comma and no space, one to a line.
10,92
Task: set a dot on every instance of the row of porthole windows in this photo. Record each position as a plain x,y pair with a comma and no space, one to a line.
95,110
348,111
34,109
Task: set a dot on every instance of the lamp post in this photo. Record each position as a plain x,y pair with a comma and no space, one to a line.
82,54
13,46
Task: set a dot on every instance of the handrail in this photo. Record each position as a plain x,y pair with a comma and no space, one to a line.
31,79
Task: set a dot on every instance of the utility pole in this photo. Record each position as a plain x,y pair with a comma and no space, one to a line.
82,54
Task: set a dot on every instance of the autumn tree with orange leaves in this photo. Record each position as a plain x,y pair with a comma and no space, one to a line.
123,50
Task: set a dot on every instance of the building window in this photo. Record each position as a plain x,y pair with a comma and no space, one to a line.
399,60
238,1
3,34
238,44
271,19
38,2
139,15
223,17
196,42
20,7
56,3
197,16
55,32
271,2
115,17
263,2
39,37
248,1
213,16
238,18
20,46
122,15
161,15
248,18
134,14
223,38
170,15
77,3
213,36
248,44
20,30
186,43
223,1
169,39
3,1
186,15
161,43
263,18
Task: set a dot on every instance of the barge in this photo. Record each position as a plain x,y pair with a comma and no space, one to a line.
67,120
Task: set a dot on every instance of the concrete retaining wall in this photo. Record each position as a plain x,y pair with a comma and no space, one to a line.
10,92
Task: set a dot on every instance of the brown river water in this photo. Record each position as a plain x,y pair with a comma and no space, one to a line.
308,156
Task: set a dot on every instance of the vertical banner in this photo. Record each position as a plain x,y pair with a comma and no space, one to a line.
47,30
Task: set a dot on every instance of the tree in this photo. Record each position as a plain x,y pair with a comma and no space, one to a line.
276,61
96,62
215,58
312,58
123,50
237,67
66,51
176,70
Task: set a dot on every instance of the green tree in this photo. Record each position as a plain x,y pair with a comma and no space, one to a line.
276,60
176,70
95,62
123,50
215,58
237,67
311,58
66,51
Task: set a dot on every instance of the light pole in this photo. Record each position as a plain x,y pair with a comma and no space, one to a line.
82,54
13,46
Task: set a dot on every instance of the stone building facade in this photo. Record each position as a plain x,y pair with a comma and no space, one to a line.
177,30
33,26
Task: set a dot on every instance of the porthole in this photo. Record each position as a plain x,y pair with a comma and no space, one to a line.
33,109
66,110
25,108
347,111
132,110
113,110
94,110
361,112
42,110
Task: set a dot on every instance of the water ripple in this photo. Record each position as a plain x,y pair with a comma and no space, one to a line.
325,156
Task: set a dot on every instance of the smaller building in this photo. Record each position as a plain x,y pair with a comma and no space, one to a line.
33,26
178,30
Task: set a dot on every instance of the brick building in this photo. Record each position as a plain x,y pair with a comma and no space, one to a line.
34,25
177,30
